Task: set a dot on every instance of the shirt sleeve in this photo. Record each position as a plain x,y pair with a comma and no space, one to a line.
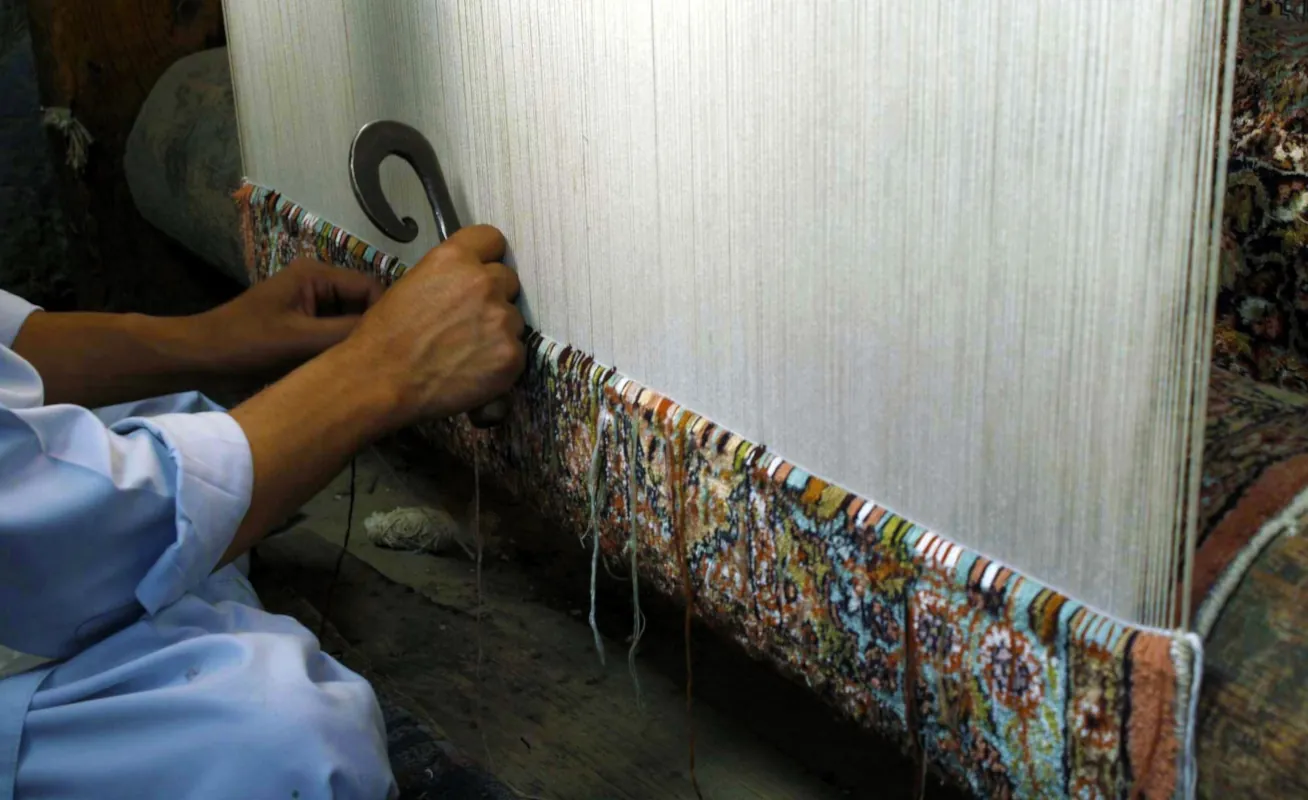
101,523
14,311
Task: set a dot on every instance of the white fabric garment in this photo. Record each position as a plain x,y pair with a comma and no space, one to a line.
163,677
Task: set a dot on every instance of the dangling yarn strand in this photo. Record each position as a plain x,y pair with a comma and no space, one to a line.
676,472
633,547
340,558
595,485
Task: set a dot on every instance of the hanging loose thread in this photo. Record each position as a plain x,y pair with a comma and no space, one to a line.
479,541
340,557
480,595
633,546
598,497
676,477
596,488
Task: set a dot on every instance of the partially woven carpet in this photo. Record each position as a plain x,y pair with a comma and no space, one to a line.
1006,685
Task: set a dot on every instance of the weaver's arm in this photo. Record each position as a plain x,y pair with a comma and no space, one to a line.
93,360
447,338
99,522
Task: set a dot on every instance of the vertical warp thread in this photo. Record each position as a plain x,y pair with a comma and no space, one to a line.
1063,330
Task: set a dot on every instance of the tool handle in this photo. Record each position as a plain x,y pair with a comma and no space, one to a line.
373,143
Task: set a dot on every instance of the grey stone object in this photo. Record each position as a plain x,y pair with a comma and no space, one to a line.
183,160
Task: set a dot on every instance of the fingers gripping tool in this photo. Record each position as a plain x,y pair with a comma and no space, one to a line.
372,145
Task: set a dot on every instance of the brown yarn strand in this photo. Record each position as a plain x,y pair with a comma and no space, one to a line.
340,558
676,476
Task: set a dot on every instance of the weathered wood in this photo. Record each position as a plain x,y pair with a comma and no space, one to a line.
100,59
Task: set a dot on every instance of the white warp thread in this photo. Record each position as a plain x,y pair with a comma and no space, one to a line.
1188,710
952,254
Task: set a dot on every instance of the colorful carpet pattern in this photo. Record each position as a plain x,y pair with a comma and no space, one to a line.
1006,686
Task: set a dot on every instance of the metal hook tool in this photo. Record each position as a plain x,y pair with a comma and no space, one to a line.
373,143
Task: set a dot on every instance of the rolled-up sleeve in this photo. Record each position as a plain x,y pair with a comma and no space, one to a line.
14,311
101,523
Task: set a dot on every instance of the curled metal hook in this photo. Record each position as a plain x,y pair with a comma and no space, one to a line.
372,145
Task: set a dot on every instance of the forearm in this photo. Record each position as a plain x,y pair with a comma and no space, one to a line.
304,429
95,360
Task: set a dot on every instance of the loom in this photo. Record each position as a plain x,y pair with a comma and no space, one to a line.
881,333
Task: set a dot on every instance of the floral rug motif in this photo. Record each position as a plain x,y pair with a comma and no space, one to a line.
1004,685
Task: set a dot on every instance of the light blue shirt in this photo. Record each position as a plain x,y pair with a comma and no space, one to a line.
128,666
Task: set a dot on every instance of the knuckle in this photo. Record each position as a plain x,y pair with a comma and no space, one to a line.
502,316
439,257
482,285
450,250
508,353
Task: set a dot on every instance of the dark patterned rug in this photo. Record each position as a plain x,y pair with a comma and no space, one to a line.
427,768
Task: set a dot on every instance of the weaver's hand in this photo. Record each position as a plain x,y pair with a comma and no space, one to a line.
444,339
446,336
293,316
95,359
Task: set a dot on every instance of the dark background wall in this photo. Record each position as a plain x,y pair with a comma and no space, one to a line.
33,247
73,238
